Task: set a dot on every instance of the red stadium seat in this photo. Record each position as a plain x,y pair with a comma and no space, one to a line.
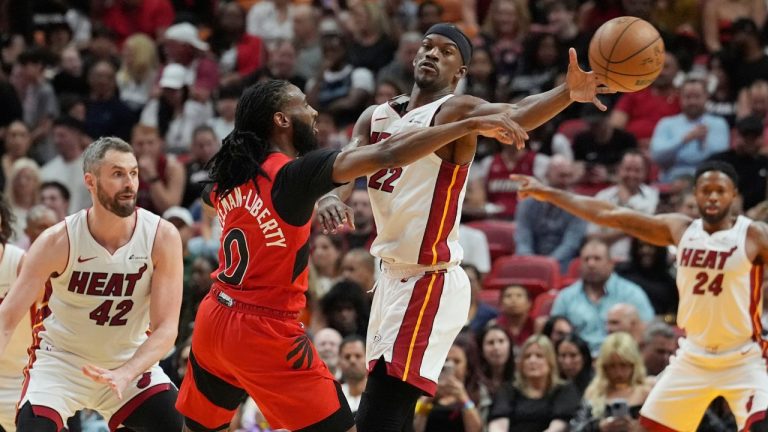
537,273
572,274
500,234
542,304
490,297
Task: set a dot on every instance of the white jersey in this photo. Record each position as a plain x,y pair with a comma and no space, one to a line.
720,289
14,359
416,207
100,303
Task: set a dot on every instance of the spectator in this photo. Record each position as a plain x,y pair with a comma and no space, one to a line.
648,267
538,400
371,46
428,14
557,328
481,76
161,176
574,361
544,229
325,260
754,101
561,21
327,342
306,39
138,71
55,196
386,91
281,64
365,230
462,400
338,87
682,141
359,266
67,167
226,106
38,100
719,19
601,146
515,314
587,301
345,309
328,134
503,31
745,155
749,62
270,20
196,286
638,112
175,114
239,53
105,113
127,17
354,371
23,191
480,313
658,345
39,219
474,243
497,361
541,63
182,45
631,192
400,69
623,317
70,78
619,374
205,144
722,99
17,144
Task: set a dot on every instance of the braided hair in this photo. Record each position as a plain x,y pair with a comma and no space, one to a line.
247,146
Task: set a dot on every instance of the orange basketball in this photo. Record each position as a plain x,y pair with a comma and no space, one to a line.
627,52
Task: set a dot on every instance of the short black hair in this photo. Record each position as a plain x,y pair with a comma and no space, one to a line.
70,122
750,126
33,55
350,339
716,165
63,190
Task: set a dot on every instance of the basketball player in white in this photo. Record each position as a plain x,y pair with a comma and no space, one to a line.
15,357
719,276
114,274
422,299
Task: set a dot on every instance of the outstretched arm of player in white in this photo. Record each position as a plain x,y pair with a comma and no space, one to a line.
660,230
47,255
164,307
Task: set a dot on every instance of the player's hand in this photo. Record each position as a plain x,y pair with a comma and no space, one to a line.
115,379
501,127
529,187
584,86
333,214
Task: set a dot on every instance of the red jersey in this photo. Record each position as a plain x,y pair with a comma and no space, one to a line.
500,189
645,108
264,251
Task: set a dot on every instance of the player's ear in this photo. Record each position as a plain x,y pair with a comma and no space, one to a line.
281,120
90,180
461,73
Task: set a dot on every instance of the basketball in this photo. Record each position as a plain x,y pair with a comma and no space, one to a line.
627,52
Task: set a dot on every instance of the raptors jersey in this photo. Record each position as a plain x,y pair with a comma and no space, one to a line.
416,207
720,289
14,358
99,306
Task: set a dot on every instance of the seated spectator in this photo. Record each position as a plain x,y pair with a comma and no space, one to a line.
462,400
328,134
619,376
722,98
386,91
138,71
281,64
371,46
226,107
325,260
545,229
658,345
327,342
345,309
365,230
503,32
574,361
70,78
748,62
70,140
648,267
631,192
22,191
601,147
359,266
541,64
174,113
39,219
39,103
557,328
55,196
354,371
682,141
161,176
182,45
205,144
480,313
400,69
239,53
481,76
623,317
515,314
306,40
745,156
538,400
639,112
17,144
105,113
497,361
196,286
270,20
587,301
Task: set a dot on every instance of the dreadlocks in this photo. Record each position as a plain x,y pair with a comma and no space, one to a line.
244,150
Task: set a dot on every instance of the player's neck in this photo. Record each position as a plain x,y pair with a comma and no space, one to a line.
110,230
356,388
420,97
723,225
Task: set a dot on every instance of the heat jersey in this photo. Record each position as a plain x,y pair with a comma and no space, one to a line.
99,306
720,289
14,358
416,207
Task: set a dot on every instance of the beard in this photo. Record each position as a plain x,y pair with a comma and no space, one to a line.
715,218
304,139
113,204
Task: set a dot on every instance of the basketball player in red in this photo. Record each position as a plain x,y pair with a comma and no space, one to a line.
113,277
422,299
719,276
266,179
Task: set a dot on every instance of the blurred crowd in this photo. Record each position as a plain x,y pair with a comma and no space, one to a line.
574,338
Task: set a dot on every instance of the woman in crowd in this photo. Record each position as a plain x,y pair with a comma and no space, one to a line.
538,400
497,364
325,259
138,71
575,361
23,191
557,328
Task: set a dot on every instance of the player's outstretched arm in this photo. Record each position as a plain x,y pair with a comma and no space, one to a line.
533,111
660,230
47,255
164,307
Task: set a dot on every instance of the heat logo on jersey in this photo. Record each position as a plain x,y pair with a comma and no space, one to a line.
105,284
705,258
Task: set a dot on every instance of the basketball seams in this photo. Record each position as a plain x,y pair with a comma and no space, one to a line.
618,39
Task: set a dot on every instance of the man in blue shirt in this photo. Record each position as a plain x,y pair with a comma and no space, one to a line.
586,303
680,142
